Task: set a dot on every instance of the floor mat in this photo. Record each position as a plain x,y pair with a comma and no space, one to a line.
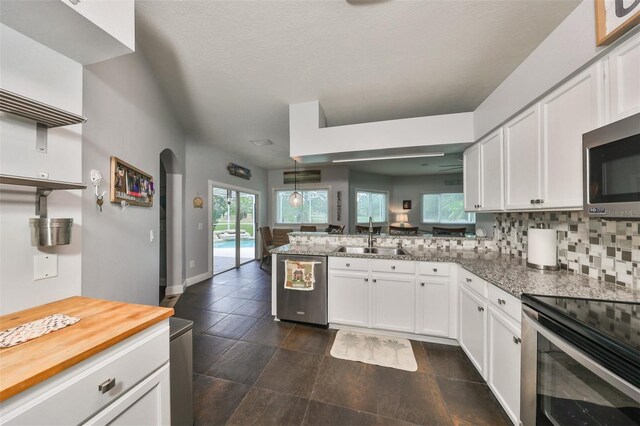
374,349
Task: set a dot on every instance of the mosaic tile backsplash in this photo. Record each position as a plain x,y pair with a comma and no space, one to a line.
603,249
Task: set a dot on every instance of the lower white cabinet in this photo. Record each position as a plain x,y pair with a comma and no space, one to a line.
349,298
473,328
393,304
504,361
433,306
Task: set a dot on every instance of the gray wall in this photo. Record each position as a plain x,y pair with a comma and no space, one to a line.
128,117
336,178
206,162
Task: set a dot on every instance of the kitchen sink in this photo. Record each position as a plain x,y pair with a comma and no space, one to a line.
386,251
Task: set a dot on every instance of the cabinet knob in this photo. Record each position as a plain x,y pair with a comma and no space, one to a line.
422,284
374,280
516,340
107,385
435,269
504,302
366,280
480,309
468,280
393,267
533,201
348,265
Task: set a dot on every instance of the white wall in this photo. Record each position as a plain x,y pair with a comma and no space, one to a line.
30,69
128,117
309,136
336,178
206,162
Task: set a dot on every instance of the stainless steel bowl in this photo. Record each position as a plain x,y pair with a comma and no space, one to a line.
47,231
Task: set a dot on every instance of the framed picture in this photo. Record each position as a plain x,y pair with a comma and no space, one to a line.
130,184
303,176
239,171
406,204
614,18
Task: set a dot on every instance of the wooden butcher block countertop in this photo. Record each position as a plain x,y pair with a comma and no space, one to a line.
102,324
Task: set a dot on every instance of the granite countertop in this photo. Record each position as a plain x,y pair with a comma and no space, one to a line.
508,273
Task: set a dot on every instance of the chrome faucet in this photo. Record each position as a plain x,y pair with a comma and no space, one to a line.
370,239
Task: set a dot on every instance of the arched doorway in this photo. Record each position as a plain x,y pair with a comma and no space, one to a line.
171,263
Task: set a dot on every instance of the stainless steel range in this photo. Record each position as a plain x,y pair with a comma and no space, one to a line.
580,362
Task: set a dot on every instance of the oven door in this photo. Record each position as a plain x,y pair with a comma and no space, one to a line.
563,386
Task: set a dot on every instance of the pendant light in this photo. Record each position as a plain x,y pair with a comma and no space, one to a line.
295,199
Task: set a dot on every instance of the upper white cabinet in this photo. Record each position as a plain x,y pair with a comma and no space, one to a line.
87,31
522,160
471,174
624,79
575,108
484,174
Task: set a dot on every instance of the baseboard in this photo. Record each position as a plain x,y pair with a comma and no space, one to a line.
172,290
196,279
410,336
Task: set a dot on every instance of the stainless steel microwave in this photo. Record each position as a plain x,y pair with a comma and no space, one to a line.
611,169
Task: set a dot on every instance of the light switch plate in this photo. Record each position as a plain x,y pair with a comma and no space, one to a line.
45,266
200,226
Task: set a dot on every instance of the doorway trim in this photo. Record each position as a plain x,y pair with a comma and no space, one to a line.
212,184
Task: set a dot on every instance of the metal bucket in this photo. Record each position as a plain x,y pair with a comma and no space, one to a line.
50,232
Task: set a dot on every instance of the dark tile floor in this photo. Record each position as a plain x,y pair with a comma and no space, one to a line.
250,369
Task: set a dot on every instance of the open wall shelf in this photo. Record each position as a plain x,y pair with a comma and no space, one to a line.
46,115
40,183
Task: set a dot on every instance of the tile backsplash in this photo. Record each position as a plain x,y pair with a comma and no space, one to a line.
603,249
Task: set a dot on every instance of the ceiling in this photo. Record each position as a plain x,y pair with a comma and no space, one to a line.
231,68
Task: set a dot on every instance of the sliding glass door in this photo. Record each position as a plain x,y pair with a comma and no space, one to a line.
234,228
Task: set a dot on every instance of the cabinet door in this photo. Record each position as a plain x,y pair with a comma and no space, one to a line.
492,172
393,303
349,299
522,160
471,178
624,79
504,362
473,332
433,306
573,109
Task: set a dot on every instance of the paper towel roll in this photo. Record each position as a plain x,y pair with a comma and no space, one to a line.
542,249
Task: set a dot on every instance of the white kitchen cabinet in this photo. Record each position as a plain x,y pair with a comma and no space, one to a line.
471,178
624,79
504,361
522,160
433,306
575,108
492,172
349,298
393,304
473,328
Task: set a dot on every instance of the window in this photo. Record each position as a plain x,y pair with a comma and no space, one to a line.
445,208
371,204
314,208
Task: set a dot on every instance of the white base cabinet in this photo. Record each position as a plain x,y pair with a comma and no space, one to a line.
393,302
473,328
504,361
433,306
348,298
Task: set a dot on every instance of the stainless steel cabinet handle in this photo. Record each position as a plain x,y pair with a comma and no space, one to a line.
422,284
516,340
468,280
348,264
480,309
107,385
533,201
435,269
366,280
374,280
504,302
393,267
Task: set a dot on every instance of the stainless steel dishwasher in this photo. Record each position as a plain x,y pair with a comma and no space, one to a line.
308,306
181,371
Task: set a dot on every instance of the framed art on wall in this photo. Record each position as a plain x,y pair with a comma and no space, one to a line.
130,184
614,18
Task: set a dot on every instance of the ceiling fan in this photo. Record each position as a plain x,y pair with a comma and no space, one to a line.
450,167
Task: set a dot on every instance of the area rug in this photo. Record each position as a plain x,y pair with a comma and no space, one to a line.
374,349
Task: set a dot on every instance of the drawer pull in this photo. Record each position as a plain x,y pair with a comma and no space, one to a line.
348,265
374,280
480,309
422,284
393,267
366,280
468,280
107,385
435,269
516,340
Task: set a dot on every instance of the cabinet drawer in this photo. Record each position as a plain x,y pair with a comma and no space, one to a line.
434,268
473,282
349,263
505,302
73,396
400,266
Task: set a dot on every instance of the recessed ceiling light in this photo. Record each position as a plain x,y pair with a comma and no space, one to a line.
391,157
262,142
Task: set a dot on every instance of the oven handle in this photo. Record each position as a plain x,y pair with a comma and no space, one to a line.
529,319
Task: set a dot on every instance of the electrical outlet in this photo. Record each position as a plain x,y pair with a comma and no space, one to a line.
192,263
45,266
200,226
